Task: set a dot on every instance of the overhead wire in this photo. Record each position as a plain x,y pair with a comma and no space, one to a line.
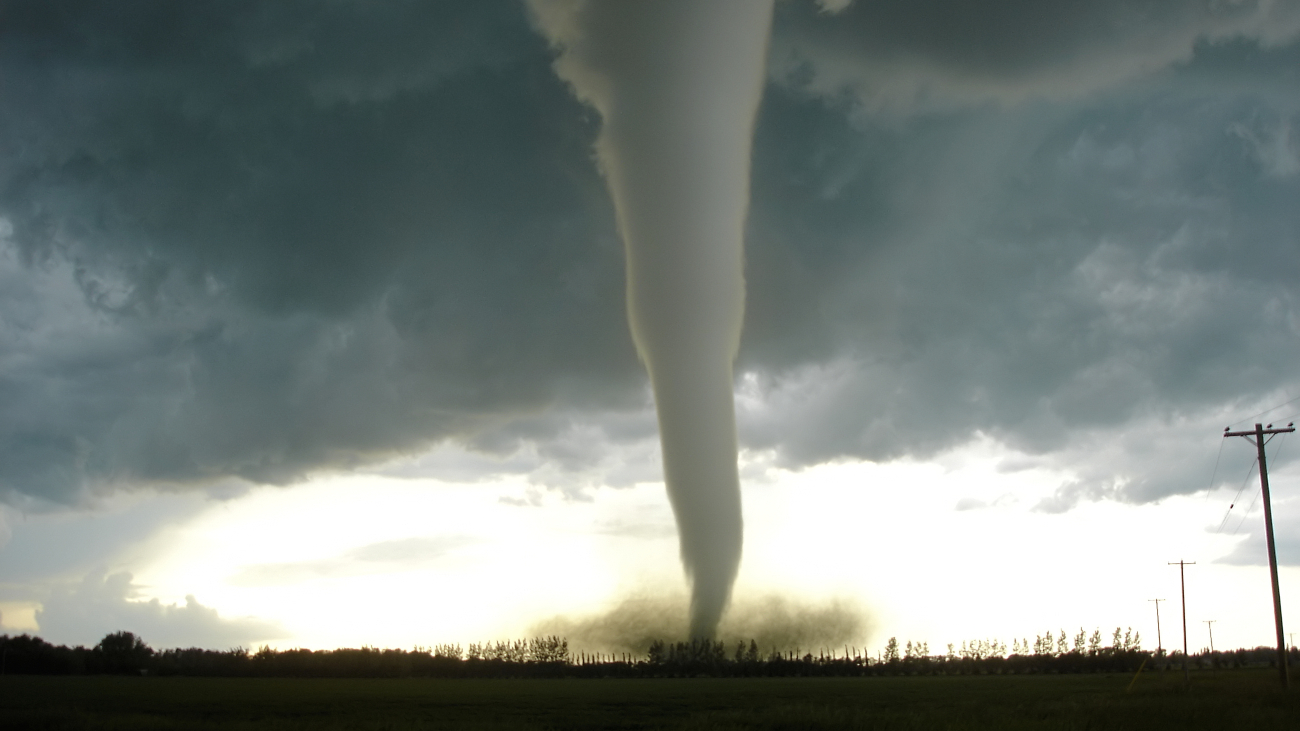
1249,473
1290,418
1277,450
1281,440
1247,513
1252,468
1215,473
1265,411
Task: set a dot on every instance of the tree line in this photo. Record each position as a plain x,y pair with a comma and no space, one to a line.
125,653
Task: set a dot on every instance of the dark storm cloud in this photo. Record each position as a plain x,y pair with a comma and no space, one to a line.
899,57
1087,266
251,240
259,240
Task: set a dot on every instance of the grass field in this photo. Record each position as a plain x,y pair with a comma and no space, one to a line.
1249,699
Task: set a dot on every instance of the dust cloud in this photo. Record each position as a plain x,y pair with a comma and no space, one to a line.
774,621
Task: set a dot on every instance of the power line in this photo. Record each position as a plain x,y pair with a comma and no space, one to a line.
1237,497
1248,419
1247,513
1215,473
1254,499
1281,442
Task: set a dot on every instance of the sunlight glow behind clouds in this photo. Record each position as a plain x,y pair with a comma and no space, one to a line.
888,537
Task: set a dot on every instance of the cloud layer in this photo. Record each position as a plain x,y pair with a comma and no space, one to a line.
394,555
261,242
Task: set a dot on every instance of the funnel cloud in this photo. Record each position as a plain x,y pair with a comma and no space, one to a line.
677,85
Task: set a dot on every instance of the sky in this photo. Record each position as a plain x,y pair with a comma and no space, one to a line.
313,327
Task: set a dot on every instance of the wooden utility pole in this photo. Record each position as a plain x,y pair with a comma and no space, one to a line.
1160,645
1259,443
1214,661
1182,583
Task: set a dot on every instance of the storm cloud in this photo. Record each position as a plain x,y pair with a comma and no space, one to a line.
261,242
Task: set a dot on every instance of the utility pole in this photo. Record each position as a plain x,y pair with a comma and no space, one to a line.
1259,443
1182,583
1160,645
1214,661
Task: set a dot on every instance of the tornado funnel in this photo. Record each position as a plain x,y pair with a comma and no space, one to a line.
677,83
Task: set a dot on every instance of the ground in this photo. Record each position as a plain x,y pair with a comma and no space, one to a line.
1229,699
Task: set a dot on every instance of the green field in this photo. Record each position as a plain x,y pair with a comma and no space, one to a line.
1249,699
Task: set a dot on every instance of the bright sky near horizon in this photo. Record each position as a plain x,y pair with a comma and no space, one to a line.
943,551
313,330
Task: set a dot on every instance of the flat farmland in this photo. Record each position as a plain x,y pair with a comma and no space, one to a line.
1229,699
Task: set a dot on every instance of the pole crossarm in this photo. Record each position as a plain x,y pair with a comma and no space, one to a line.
1252,432
1256,437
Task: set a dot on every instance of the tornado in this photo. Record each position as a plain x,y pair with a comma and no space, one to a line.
677,84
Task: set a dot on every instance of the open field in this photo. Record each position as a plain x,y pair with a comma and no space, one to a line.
1236,699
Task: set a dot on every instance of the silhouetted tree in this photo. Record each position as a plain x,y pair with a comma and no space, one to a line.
25,654
548,649
122,652
658,654
891,650
450,652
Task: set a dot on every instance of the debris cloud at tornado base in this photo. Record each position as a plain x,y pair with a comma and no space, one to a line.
677,84
774,622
